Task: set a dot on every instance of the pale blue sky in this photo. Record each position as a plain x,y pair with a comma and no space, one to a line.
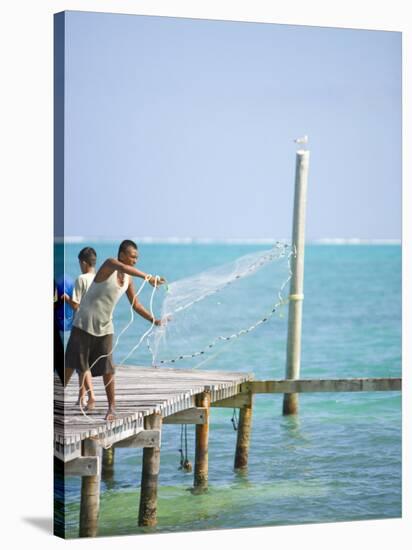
180,127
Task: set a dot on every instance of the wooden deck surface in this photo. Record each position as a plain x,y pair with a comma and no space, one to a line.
140,391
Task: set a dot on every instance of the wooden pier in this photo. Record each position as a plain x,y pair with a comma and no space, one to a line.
148,398
140,392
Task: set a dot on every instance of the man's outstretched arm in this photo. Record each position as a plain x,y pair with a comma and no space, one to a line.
120,266
138,307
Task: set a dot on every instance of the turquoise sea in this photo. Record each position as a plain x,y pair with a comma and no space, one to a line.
338,460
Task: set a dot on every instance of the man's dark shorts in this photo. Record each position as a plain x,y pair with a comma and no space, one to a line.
83,349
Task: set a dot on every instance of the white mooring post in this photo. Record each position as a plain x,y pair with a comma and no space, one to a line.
290,400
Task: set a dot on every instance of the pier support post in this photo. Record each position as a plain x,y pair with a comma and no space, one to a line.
59,493
243,436
290,401
108,464
150,476
202,446
90,495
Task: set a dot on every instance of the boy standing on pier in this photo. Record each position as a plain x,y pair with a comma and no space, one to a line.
87,261
90,344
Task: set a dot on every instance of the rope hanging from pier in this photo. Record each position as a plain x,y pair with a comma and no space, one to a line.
185,463
235,420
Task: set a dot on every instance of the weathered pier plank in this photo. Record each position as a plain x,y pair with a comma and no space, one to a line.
194,415
330,385
145,438
82,466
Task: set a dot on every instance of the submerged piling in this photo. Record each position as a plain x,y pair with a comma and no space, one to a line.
90,495
202,446
108,464
150,477
243,437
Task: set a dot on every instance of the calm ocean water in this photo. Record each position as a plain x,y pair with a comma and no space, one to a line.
339,460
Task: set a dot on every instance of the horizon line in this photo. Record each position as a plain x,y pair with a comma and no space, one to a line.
74,239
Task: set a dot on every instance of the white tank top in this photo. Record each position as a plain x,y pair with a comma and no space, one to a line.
95,314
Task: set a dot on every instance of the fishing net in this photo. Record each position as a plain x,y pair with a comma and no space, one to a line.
218,306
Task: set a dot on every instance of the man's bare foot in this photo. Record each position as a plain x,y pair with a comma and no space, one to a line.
81,401
91,403
110,415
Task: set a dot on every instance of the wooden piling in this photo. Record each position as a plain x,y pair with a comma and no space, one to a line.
108,464
243,437
108,458
59,494
150,476
90,495
293,353
202,446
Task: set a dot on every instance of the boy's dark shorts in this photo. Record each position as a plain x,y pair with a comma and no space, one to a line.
83,349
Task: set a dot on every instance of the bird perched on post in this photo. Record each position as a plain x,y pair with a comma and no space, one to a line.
301,140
